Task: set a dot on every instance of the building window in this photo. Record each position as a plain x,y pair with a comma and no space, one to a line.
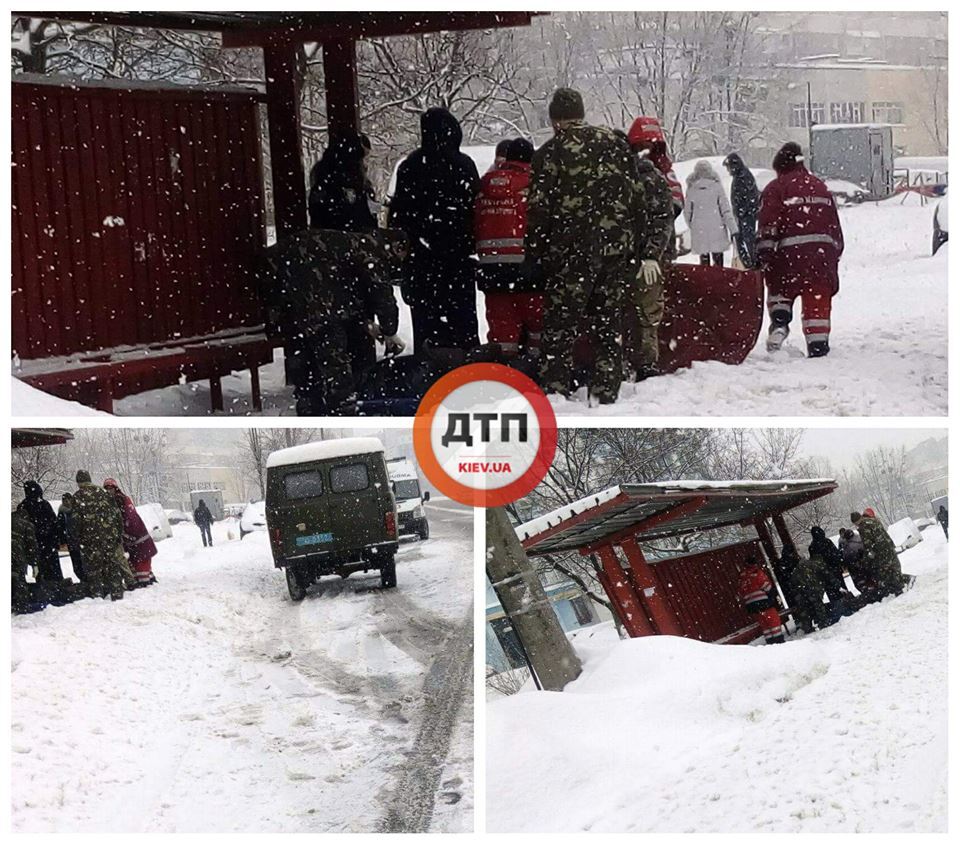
797,119
846,112
888,112
582,610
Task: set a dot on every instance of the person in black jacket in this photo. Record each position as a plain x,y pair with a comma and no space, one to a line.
745,201
338,187
203,520
822,547
942,518
433,203
47,529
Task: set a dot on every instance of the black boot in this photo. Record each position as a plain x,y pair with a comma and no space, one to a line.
818,348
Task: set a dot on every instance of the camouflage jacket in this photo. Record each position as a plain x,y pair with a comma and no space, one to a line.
24,551
96,520
877,544
584,196
316,276
655,234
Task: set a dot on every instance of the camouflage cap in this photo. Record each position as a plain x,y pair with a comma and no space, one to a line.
566,104
83,477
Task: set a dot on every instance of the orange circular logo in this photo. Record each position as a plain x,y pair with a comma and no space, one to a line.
485,435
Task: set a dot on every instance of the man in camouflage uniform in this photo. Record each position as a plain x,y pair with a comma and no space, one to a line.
808,583
582,219
98,527
320,285
24,553
880,559
655,247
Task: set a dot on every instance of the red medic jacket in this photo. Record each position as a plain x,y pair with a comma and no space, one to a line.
799,239
754,585
501,214
647,131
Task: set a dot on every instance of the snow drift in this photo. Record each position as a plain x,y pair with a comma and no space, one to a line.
842,731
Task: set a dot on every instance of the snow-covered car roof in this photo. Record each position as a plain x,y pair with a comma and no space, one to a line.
323,450
664,509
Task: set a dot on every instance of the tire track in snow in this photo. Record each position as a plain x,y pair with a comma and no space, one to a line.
448,681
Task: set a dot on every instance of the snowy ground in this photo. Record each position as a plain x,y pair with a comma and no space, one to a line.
841,731
212,703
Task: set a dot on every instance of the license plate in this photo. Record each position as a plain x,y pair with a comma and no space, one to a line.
314,539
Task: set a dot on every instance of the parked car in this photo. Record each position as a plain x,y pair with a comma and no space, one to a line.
253,518
940,224
174,516
155,519
330,511
406,490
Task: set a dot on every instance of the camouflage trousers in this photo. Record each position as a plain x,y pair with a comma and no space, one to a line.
642,313
104,575
321,370
887,574
584,298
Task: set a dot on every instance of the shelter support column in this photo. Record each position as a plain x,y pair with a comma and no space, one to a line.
645,584
621,593
340,80
773,561
785,539
282,75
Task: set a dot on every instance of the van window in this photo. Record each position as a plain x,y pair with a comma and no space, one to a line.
349,479
408,488
302,485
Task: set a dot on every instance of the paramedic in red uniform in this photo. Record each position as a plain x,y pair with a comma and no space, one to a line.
510,283
799,244
756,594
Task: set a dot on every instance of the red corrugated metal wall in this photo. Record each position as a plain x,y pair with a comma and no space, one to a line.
137,214
702,589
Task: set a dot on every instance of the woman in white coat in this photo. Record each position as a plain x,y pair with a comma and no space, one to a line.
708,214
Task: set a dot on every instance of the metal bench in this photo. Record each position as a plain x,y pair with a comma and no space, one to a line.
98,378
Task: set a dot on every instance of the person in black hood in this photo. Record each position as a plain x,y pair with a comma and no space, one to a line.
822,547
47,529
338,187
433,203
745,200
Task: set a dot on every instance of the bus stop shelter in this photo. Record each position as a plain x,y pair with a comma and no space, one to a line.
138,209
691,594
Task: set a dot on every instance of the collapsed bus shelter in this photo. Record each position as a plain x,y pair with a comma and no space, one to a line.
690,594
138,209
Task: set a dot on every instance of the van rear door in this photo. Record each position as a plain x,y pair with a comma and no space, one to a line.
303,510
355,500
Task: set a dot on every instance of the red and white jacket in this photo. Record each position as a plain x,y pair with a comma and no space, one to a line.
799,239
754,586
501,214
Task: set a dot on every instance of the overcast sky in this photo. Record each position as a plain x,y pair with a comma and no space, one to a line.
841,446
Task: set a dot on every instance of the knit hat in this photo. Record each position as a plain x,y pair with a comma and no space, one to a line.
110,482
520,149
787,157
83,477
854,517
566,104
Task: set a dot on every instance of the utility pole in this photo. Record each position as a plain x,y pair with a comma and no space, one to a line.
810,126
552,659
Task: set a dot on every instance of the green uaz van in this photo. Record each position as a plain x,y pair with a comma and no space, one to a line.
331,511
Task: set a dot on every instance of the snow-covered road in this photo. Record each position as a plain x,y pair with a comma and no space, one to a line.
888,346
213,703
841,731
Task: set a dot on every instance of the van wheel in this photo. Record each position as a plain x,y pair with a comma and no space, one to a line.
388,574
424,530
296,589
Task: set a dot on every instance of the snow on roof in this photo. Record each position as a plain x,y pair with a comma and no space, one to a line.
832,127
561,514
63,80
323,450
